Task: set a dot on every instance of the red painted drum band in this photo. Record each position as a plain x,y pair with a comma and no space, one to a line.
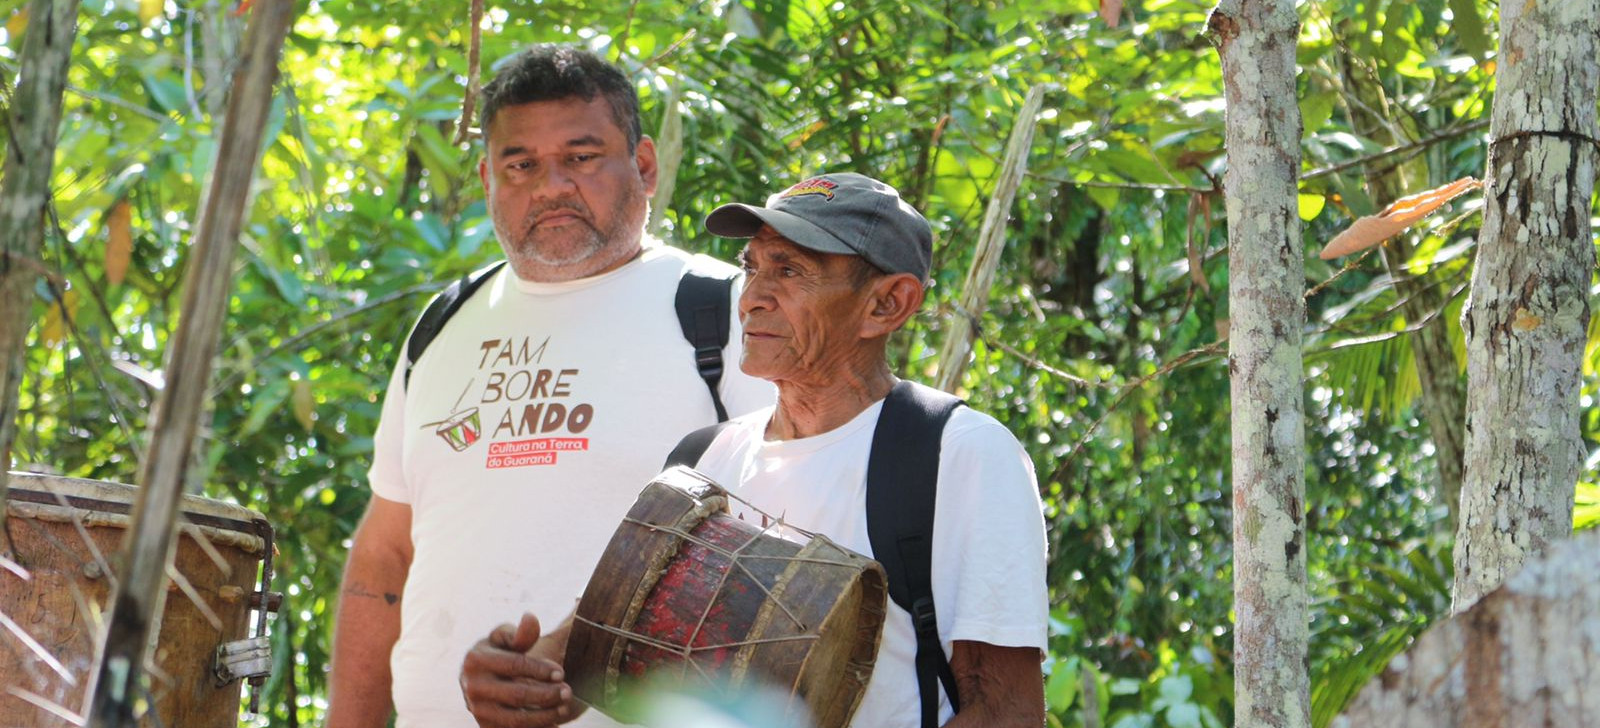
686,597
65,533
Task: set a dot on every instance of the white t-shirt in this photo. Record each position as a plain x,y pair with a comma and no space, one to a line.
988,534
531,423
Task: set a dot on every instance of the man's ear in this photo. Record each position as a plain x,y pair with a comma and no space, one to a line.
483,173
644,155
893,300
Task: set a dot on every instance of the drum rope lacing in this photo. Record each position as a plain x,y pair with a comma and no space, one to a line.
736,557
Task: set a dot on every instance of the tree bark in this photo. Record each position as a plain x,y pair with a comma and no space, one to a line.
34,124
1528,314
1443,388
138,599
1526,655
1256,42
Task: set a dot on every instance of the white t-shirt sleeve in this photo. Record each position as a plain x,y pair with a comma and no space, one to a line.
989,542
387,474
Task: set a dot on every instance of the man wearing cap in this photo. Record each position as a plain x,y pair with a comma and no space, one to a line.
834,266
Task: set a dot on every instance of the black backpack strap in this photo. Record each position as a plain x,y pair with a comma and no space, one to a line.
704,311
902,483
688,450
439,311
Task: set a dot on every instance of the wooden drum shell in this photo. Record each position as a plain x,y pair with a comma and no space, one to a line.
803,619
67,584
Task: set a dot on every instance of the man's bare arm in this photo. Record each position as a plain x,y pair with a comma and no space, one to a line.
999,686
368,624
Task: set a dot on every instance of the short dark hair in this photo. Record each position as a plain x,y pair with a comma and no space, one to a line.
552,72
863,271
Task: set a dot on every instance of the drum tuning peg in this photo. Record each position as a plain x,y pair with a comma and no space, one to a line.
273,601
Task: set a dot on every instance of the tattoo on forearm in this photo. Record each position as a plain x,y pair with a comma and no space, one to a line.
357,589
970,680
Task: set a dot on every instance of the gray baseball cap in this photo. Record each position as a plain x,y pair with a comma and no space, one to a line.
844,213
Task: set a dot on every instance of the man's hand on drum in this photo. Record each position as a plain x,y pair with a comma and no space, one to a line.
513,678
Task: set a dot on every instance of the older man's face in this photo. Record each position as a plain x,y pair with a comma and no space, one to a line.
802,311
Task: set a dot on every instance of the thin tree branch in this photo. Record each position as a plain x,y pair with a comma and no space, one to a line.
1214,347
1398,149
671,49
469,101
294,342
1409,328
621,44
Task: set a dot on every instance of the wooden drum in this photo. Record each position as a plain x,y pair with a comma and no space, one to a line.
67,533
688,597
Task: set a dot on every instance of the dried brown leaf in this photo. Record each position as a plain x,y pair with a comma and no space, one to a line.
1197,259
16,25
1111,12
806,134
1403,213
119,242
58,319
304,404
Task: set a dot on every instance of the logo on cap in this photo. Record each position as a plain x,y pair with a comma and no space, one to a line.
813,186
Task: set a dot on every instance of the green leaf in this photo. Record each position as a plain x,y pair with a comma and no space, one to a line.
1467,27
1062,687
167,93
1311,206
1185,715
1315,110
1394,20
1125,686
1105,197
432,230
286,283
266,403
472,237
1176,689
1586,507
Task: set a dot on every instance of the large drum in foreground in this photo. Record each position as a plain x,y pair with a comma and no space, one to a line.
688,597
67,532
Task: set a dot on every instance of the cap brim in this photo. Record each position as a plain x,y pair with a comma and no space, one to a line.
738,220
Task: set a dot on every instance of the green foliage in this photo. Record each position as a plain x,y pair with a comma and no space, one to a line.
1116,269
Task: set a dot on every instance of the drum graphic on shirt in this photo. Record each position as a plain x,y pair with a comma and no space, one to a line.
461,430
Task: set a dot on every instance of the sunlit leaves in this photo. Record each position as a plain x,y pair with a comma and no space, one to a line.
1467,26
1310,206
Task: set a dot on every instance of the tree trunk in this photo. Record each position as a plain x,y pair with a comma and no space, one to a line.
957,345
1443,388
1528,315
138,598
669,155
34,121
1256,41
1526,655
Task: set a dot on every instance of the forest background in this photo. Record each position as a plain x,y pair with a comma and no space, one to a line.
1101,345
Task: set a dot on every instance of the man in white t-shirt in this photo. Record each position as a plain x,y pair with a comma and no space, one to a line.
834,266
549,397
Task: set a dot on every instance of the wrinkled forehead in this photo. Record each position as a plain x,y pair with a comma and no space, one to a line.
769,243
